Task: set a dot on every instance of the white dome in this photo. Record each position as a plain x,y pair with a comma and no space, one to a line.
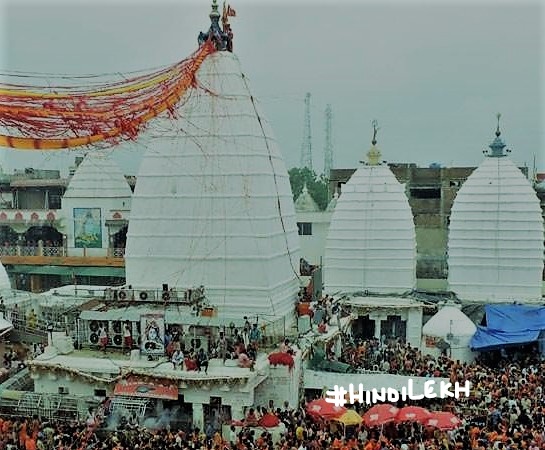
495,248
213,204
371,244
305,202
99,177
449,319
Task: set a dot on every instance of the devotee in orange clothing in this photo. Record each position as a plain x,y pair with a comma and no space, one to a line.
30,444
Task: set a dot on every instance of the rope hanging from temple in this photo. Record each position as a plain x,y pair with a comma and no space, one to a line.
37,117
60,117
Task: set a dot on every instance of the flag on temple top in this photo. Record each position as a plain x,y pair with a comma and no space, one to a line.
231,12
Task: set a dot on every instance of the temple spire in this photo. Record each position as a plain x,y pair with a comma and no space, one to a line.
375,129
222,38
373,155
497,146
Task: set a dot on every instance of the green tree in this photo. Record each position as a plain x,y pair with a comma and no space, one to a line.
317,185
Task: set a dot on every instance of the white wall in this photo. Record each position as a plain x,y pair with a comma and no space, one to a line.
459,349
281,385
412,317
313,246
49,384
414,327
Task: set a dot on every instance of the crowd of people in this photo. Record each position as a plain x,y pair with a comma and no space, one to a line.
240,346
393,356
506,411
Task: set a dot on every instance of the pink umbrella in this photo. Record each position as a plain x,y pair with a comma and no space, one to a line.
380,414
443,421
413,414
323,409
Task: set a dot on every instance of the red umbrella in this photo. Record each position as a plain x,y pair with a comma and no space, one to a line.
323,409
443,421
413,414
380,414
269,420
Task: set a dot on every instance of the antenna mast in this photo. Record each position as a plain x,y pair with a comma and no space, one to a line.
328,148
306,148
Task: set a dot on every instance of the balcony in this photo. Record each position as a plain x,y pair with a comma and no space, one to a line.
59,256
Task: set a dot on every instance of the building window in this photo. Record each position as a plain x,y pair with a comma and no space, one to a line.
54,201
100,393
305,228
425,193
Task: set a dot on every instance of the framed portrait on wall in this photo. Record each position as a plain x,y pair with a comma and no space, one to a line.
87,228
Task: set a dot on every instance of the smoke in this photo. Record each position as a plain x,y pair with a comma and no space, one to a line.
157,419
162,418
113,420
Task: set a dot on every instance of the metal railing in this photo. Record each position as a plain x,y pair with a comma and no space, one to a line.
53,251
28,251
20,250
33,324
189,296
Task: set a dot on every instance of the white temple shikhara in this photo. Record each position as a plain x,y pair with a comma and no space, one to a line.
495,247
371,245
213,204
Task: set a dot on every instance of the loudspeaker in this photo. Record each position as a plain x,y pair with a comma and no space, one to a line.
93,330
146,295
165,287
116,339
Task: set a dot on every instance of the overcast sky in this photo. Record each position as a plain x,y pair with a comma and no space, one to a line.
433,73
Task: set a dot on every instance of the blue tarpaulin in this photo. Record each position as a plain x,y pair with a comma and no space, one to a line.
509,325
515,317
486,339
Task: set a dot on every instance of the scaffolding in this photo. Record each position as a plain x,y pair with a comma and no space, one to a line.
45,406
129,406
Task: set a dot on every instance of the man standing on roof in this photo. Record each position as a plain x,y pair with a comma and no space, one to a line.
127,337
103,338
255,335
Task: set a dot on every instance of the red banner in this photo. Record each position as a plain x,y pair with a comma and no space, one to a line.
146,390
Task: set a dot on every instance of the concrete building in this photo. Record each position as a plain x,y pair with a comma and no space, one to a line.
313,226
